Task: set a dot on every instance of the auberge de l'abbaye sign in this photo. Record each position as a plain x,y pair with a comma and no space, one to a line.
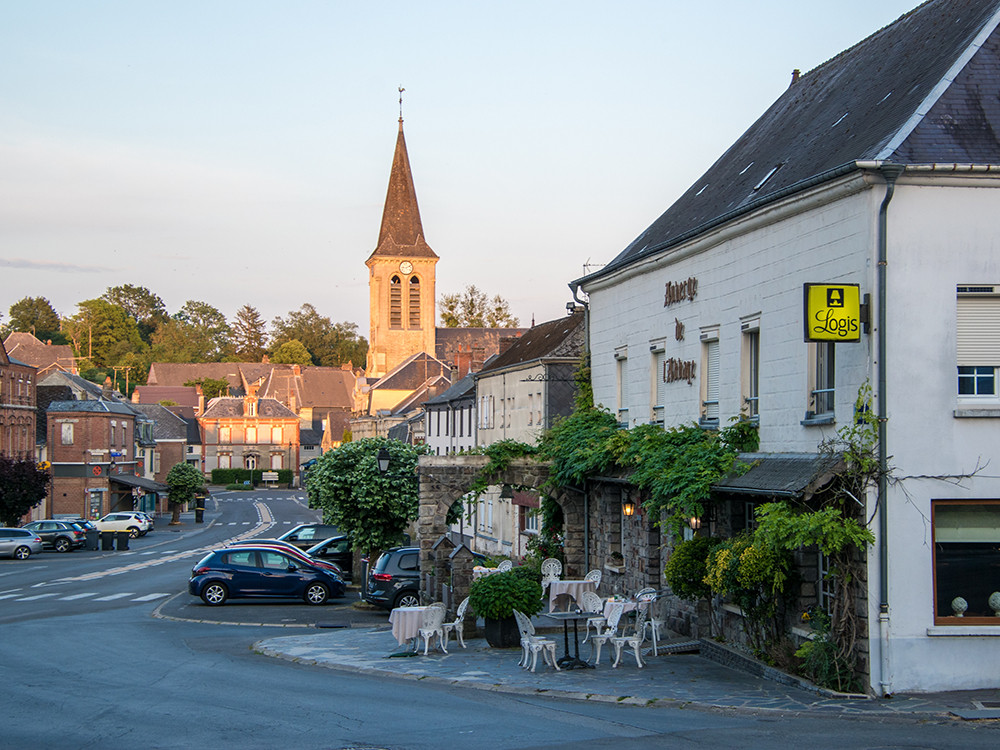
832,312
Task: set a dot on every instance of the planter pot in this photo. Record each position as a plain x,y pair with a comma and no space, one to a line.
502,633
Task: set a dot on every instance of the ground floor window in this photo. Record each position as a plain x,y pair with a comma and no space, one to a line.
966,562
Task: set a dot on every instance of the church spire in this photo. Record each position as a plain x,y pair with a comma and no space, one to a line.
401,233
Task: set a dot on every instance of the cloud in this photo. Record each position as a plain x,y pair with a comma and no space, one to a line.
41,265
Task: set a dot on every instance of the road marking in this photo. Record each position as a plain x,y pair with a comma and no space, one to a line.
246,523
74,597
8,591
37,596
9,596
149,597
111,598
232,523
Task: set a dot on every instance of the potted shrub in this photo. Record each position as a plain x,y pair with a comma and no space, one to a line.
495,597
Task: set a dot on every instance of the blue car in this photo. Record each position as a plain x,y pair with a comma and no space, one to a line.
239,572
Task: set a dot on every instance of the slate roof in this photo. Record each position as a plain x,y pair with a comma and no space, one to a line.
781,474
225,407
469,349
464,388
556,339
412,373
93,406
179,394
166,424
922,90
29,350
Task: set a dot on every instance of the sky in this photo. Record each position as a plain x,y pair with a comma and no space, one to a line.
238,151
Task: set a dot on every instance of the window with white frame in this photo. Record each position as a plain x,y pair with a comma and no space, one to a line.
710,376
275,461
978,342
750,367
822,379
658,382
621,369
966,561
67,433
225,461
538,408
276,435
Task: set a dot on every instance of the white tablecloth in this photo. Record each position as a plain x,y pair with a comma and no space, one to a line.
406,621
573,588
629,606
479,571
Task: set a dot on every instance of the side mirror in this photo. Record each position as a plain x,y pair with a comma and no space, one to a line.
292,567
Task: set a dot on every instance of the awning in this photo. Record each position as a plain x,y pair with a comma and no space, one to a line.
797,475
141,482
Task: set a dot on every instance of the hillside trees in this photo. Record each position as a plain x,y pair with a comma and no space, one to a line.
36,315
142,305
330,344
473,309
249,334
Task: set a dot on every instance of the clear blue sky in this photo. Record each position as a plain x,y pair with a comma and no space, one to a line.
238,151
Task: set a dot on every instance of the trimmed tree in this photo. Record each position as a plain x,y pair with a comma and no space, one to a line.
183,481
22,487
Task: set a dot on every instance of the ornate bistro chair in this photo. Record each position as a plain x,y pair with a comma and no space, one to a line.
609,631
551,570
591,602
633,641
433,626
594,575
456,626
532,645
655,622
505,565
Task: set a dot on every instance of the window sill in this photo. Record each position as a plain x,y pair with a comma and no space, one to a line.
965,630
614,568
811,419
977,412
708,424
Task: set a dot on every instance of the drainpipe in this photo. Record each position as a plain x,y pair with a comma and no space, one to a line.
891,173
586,485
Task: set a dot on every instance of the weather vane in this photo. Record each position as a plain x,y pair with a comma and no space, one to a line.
401,90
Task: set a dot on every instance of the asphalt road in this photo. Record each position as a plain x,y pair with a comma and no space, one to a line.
84,663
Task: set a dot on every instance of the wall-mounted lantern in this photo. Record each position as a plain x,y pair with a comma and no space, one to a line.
383,459
628,507
506,492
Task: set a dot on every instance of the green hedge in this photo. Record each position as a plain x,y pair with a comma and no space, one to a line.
239,476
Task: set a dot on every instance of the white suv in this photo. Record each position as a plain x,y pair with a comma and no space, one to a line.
135,524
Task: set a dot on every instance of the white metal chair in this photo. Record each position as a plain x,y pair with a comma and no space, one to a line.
551,570
655,623
594,575
633,641
505,565
609,631
433,626
532,645
456,625
591,602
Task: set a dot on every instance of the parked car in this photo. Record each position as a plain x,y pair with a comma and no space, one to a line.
62,536
130,521
238,572
337,550
291,549
148,517
19,543
394,579
305,535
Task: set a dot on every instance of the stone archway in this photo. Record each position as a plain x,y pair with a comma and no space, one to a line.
445,479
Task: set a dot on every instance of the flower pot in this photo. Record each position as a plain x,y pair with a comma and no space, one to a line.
502,633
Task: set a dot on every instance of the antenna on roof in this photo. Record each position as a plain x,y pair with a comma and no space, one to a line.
401,90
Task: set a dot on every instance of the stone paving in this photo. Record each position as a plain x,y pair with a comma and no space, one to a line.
667,679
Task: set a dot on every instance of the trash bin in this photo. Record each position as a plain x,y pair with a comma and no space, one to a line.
122,538
107,540
92,536
199,515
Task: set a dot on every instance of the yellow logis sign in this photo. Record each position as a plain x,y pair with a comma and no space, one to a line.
832,312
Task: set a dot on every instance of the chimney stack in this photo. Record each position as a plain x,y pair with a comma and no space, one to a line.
795,75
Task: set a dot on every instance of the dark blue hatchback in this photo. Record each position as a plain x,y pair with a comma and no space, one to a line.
261,572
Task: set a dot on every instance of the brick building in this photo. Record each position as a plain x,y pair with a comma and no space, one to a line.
17,407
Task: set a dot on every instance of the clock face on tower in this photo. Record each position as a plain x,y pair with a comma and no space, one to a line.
406,267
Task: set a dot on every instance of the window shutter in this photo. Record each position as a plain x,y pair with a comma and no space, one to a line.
978,331
712,380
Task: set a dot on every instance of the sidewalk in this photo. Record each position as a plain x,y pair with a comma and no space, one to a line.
680,680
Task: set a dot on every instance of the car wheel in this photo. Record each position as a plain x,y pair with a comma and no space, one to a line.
316,593
407,599
214,594
22,553
62,544
133,532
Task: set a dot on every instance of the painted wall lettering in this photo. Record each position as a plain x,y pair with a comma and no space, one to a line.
678,291
678,369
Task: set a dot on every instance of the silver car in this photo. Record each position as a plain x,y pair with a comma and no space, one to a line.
19,543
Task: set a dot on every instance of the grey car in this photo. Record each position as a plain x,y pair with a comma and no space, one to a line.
19,543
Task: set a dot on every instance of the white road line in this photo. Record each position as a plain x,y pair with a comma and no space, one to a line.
8,591
9,596
74,597
246,523
149,597
37,596
153,552
232,523
111,598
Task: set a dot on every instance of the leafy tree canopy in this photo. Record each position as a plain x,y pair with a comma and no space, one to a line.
249,334
210,387
144,307
197,332
183,481
103,333
36,315
330,344
22,487
371,507
291,353
473,309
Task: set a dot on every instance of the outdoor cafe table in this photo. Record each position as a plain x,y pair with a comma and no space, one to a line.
406,621
574,661
572,588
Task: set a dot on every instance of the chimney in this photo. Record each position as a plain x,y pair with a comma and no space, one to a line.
265,360
201,399
296,370
795,75
106,389
455,374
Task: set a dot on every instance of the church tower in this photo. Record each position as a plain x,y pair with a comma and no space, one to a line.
401,276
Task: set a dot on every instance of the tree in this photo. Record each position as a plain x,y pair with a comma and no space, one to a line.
249,334
197,332
291,353
183,481
22,487
210,387
473,309
372,508
144,307
103,333
330,344
36,315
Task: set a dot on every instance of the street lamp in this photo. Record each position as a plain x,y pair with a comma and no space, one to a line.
383,459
